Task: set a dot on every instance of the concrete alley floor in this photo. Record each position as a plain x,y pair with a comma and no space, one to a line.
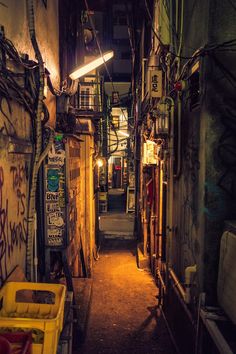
124,317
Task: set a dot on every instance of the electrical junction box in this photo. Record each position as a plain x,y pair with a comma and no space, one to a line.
162,117
162,124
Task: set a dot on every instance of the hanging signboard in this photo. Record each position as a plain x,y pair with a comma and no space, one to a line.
155,80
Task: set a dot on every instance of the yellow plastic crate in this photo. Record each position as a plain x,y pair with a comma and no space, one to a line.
21,308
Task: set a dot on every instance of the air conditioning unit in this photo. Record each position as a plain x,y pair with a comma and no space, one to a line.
86,97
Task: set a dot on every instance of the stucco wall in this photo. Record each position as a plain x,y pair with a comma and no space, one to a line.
14,179
13,18
202,200
14,165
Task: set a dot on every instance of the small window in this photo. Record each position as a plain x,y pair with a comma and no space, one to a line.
126,55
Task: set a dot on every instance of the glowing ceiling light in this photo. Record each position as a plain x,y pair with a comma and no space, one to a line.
123,133
86,68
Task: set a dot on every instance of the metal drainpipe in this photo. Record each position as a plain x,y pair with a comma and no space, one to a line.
38,147
184,292
170,184
144,60
179,103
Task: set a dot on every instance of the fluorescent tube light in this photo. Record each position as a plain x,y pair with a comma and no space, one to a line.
86,68
123,133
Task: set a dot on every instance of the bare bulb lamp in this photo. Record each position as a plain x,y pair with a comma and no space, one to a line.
94,64
100,162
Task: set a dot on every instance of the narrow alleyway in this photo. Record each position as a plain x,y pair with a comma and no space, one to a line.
124,317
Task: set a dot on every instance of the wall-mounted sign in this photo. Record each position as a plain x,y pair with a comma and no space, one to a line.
155,79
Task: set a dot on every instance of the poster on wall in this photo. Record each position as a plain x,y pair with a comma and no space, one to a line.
54,186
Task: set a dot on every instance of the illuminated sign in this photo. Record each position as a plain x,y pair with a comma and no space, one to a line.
155,83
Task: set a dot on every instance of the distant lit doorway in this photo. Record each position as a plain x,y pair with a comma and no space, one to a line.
117,172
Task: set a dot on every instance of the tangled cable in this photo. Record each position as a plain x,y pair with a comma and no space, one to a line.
19,84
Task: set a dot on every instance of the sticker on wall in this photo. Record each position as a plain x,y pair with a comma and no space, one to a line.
61,199
55,237
55,219
52,197
52,207
53,179
56,156
61,182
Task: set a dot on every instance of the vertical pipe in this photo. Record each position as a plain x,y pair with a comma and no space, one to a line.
143,78
38,138
35,250
160,211
170,183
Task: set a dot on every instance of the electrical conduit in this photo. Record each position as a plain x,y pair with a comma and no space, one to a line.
170,110
184,291
38,142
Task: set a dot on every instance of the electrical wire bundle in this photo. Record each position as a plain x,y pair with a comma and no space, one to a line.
19,83
109,120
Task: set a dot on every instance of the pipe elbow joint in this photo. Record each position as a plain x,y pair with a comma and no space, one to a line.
188,272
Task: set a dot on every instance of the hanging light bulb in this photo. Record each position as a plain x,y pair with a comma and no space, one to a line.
99,162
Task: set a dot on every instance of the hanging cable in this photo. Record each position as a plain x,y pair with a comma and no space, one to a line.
99,47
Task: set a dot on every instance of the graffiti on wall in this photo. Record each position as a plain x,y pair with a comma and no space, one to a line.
13,214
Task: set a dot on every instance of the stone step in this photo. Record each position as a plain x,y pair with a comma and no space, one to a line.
116,224
116,235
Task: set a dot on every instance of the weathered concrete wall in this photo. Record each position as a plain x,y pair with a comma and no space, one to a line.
14,165
202,201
